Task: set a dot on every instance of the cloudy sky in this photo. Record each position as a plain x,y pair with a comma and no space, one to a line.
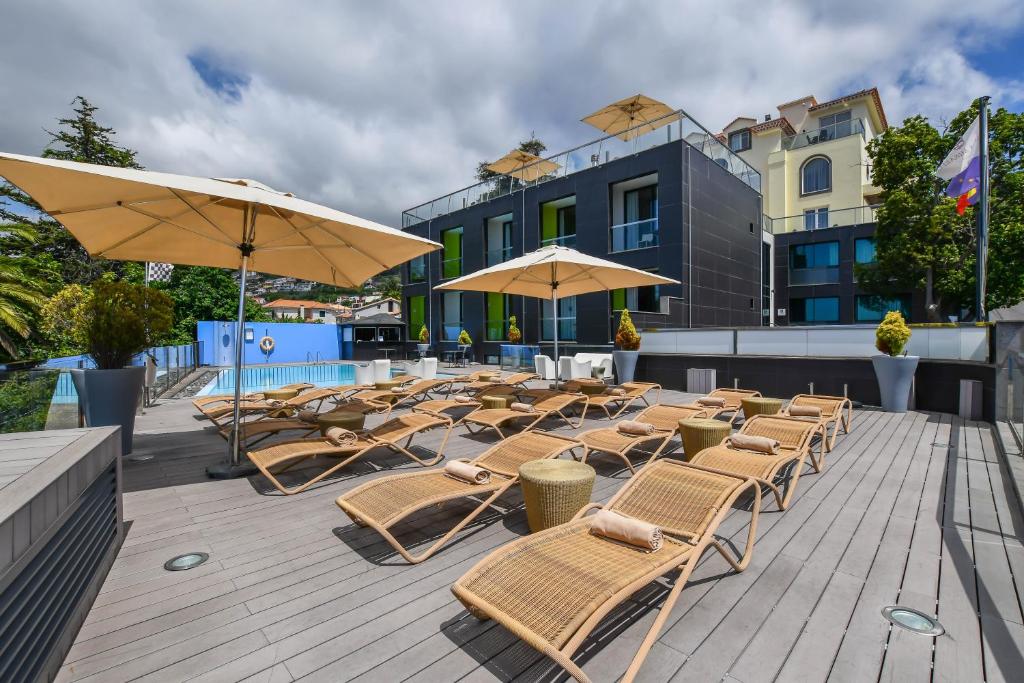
373,107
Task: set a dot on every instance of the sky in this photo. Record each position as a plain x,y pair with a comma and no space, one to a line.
374,107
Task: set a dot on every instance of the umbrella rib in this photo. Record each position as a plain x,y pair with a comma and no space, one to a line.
266,245
198,210
158,220
100,207
334,268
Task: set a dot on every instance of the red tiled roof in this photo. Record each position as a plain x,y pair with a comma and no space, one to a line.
869,92
780,122
296,303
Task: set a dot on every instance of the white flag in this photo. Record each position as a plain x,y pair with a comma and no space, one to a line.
159,272
961,156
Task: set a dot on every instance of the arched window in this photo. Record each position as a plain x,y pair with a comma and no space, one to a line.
816,175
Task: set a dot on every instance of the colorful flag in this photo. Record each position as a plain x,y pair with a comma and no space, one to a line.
962,168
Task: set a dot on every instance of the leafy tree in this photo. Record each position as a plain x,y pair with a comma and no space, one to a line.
62,320
19,299
122,319
201,293
390,286
530,146
921,242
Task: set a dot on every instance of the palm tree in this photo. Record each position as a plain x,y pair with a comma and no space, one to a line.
19,297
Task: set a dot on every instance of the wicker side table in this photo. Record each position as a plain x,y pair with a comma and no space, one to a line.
280,394
760,405
554,491
346,419
698,434
496,401
387,384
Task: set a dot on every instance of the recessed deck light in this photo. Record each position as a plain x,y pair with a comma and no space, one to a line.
913,620
186,561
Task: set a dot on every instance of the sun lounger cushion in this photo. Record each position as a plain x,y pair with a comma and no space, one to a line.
759,444
341,437
466,472
522,407
611,524
636,428
714,401
805,411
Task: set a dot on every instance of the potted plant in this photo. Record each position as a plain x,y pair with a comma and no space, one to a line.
514,335
465,342
424,344
119,321
627,345
894,370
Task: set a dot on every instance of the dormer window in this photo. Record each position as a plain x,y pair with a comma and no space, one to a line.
740,140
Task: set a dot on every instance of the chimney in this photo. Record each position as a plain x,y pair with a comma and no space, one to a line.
767,117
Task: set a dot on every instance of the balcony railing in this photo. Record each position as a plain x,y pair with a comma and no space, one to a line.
839,218
562,241
826,275
496,256
670,128
635,235
834,131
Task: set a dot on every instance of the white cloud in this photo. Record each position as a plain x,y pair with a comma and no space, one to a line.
375,107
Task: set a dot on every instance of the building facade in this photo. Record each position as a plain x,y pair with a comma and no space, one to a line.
308,311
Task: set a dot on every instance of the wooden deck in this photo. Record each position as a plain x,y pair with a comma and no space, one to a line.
912,509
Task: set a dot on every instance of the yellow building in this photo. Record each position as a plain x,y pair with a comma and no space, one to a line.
813,160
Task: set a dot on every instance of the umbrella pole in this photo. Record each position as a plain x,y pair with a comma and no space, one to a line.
554,313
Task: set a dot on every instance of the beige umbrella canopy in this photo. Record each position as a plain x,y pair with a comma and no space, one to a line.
132,215
555,272
523,165
631,117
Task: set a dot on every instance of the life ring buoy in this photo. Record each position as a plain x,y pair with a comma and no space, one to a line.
267,344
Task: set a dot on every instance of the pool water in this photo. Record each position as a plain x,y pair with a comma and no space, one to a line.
275,376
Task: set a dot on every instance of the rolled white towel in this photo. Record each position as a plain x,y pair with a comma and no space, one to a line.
522,407
711,401
466,472
805,411
464,399
634,428
627,530
397,390
617,392
759,444
310,416
340,436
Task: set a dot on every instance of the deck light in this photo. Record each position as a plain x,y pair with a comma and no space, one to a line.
186,561
913,620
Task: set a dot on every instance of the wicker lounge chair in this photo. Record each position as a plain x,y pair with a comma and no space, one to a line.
254,431
836,412
795,438
411,393
201,402
733,400
553,588
515,380
547,404
383,502
664,418
314,398
389,435
444,406
635,391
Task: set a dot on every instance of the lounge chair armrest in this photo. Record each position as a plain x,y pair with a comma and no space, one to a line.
713,470
585,509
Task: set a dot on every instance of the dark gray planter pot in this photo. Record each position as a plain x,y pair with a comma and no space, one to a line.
110,397
625,364
895,375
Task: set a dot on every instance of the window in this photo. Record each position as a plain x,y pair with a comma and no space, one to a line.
323,313
814,310
451,315
815,219
816,175
637,299
496,314
871,309
418,269
639,227
558,223
739,141
388,334
864,250
416,306
814,264
498,236
366,334
566,320
451,258
835,125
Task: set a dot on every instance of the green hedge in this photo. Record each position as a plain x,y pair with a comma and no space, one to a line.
25,401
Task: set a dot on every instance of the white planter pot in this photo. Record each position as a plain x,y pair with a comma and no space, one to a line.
895,375
110,397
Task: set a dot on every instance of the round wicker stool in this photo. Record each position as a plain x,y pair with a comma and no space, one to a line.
496,401
554,491
592,388
346,419
387,384
760,405
280,394
698,434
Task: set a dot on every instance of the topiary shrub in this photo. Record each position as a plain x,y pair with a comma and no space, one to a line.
514,335
465,339
121,320
424,334
627,338
892,334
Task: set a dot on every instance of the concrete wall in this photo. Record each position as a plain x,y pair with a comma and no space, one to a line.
293,342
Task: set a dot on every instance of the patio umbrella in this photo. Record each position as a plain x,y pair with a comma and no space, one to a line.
132,215
523,165
555,272
631,117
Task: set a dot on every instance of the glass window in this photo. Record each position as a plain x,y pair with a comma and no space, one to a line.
639,227
418,269
820,255
366,334
498,237
451,258
496,316
388,334
835,125
637,299
864,250
816,175
566,320
739,141
815,219
871,309
416,305
814,310
558,224
451,315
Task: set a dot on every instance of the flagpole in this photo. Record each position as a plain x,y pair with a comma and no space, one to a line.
982,240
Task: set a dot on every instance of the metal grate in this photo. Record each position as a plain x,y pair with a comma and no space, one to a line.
37,606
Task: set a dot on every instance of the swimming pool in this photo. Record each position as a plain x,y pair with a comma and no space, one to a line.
273,376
